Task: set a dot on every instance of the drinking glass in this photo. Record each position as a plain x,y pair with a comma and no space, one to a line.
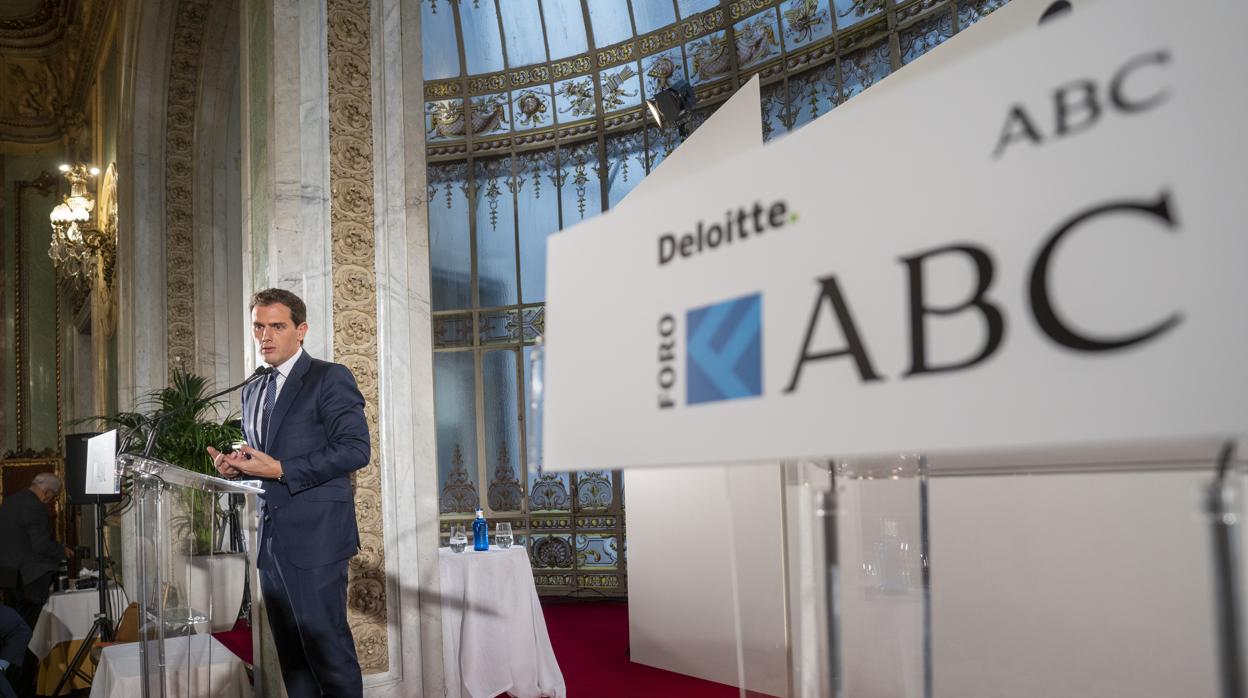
459,539
502,535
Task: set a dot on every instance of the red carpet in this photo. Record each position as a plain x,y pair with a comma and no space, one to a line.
237,639
590,639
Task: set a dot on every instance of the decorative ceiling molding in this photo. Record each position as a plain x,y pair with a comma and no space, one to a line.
459,105
47,64
46,25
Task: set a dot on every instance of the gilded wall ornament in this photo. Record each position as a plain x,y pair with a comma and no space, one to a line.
459,495
532,107
580,96
710,57
447,117
862,8
548,492
552,551
351,219
505,491
661,69
180,112
613,90
803,19
756,41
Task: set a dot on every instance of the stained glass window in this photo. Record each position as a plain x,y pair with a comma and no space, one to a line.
483,47
565,28
437,36
542,127
522,20
610,21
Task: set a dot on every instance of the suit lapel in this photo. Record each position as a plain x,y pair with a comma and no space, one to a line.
290,390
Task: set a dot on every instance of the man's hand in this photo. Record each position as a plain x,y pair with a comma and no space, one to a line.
259,464
226,463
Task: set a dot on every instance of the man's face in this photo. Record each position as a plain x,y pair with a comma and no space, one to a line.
276,335
44,496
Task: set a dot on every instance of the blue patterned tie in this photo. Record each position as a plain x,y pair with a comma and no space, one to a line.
270,396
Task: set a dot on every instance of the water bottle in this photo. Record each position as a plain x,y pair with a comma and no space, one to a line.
480,532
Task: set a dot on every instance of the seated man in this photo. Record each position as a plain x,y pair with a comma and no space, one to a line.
30,556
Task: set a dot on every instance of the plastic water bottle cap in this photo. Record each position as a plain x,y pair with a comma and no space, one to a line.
480,514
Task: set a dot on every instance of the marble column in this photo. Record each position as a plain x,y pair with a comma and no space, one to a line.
221,345
145,39
333,169
286,161
406,354
285,171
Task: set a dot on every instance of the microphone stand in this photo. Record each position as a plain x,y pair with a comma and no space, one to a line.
103,625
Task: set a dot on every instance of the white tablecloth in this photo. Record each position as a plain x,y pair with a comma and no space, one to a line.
68,615
494,636
195,667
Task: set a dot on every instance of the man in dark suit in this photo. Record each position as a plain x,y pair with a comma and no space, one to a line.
306,434
29,555
14,636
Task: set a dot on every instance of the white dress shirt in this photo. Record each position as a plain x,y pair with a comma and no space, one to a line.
257,409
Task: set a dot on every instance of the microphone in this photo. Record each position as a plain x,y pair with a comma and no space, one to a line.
158,421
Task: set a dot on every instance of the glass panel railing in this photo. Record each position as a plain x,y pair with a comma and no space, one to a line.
1104,573
183,585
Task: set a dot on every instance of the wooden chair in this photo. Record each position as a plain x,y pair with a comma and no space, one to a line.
127,630
128,626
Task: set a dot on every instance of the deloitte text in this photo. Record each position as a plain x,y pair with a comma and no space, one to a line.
738,225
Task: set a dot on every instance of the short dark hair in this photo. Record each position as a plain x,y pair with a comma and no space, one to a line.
271,296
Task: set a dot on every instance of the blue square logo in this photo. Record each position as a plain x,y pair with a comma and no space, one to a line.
724,345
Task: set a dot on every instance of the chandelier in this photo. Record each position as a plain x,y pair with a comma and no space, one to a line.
77,240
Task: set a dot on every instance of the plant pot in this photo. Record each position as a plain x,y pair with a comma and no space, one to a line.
216,586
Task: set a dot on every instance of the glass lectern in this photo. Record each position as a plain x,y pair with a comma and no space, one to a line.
185,588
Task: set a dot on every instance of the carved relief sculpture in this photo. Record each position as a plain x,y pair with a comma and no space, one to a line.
355,302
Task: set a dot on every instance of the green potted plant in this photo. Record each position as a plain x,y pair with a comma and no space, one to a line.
194,423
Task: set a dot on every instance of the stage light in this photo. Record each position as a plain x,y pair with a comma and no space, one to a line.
672,106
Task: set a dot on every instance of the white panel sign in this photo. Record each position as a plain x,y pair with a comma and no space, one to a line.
1039,244
101,477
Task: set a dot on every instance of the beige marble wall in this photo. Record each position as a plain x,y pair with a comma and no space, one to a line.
405,352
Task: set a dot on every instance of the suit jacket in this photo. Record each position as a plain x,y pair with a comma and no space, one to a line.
29,550
318,431
14,636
